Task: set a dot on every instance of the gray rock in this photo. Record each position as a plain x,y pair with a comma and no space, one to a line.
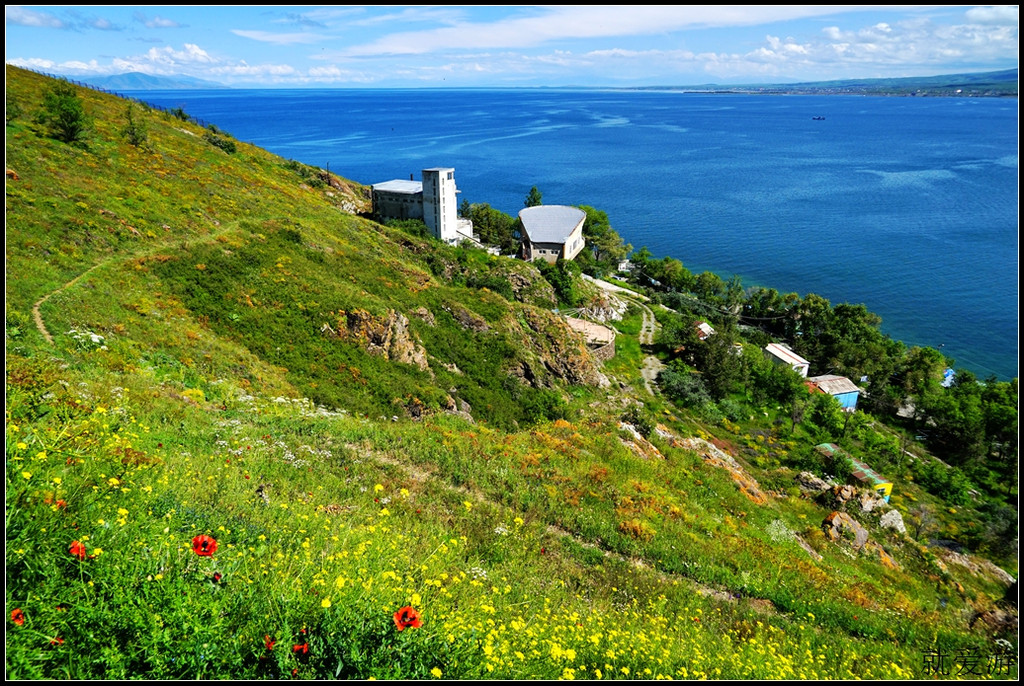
893,520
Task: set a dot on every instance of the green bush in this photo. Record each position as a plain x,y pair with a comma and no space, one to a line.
134,130
63,113
225,144
948,483
683,387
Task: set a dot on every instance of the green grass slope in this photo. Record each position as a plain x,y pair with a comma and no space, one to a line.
250,434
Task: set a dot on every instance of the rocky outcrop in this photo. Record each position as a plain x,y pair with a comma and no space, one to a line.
386,335
424,315
843,493
870,501
466,319
717,457
532,288
639,445
604,307
558,349
995,622
893,520
810,483
840,526
459,408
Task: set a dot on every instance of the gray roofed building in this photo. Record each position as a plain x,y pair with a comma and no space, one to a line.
551,232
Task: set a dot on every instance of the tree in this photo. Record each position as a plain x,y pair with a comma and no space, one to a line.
827,415
682,386
920,378
606,245
134,130
533,198
64,114
709,287
673,274
562,277
493,226
719,364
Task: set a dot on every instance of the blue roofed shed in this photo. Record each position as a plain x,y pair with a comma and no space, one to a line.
839,387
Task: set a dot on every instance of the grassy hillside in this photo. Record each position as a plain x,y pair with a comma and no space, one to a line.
251,434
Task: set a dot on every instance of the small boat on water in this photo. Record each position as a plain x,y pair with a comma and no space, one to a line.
818,118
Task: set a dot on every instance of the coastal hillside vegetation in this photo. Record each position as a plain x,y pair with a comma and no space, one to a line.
251,433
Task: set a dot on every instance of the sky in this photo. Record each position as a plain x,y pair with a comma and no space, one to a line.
348,46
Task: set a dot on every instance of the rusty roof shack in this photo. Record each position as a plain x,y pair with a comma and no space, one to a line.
861,471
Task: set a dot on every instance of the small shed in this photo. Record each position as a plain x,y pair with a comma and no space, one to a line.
862,472
839,387
704,330
781,354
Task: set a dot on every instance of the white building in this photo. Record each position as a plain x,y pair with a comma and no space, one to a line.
781,354
432,200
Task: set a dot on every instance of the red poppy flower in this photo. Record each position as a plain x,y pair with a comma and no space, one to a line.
77,549
300,648
56,641
17,616
407,617
269,642
217,576
204,546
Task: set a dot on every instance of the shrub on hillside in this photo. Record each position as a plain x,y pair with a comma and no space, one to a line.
64,114
225,144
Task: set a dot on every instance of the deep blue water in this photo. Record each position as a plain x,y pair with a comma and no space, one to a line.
908,205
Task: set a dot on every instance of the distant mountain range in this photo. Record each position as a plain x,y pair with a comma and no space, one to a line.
996,83
137,81
992,84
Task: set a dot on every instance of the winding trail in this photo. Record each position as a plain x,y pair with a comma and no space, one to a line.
37,315
651,366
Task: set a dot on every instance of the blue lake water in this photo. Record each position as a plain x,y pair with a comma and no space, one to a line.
907,205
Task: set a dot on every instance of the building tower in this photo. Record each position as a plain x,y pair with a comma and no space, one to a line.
440,212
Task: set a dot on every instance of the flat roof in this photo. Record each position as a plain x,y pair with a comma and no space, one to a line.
550,223
399,186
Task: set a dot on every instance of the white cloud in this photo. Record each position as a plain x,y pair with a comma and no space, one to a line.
574,22
157,22
243,69
192,54
995,16
104,25
36,63
442,15
280,38
26,17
